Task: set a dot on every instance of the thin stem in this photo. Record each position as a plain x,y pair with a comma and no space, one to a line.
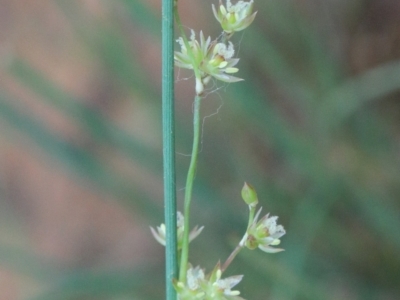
252,210
169,146
232,256
225,37
189,188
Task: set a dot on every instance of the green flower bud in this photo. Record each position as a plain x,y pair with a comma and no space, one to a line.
249,195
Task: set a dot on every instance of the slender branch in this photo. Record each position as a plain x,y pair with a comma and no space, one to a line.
241,244
189,188
231,257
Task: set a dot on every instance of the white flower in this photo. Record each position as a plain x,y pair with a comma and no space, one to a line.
264,234
199,50
225,285
194,277
210,58
211,287
221,289
234,17
159,235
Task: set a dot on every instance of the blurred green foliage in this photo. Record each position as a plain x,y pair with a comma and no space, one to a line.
317,138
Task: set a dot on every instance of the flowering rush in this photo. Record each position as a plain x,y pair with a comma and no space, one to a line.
210,58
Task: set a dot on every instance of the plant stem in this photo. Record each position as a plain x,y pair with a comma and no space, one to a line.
241,244
169,146
189,188
232,256
252,211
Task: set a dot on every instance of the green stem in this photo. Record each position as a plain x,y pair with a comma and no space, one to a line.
169,146
226,36
252,210
233,255
189,188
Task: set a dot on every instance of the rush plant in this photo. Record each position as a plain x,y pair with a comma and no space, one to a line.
211,58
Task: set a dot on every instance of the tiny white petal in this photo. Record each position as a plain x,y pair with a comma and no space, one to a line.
192,35
231,70
223,10
276,242
223,65
269,249
157,236
234,293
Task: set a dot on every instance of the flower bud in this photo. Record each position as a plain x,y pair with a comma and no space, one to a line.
249,195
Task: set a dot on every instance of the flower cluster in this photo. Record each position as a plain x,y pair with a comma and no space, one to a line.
159,235
211,287
212,58
264,234
209,58
234,17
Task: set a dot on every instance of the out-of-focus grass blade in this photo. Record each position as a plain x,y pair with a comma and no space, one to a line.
102,285
357,92
109,45
77,160
99,128
298,36
26,263
142,16
379,213
271,269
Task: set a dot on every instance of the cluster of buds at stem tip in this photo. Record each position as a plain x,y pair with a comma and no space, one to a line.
234,17
209,58
160,234
198,286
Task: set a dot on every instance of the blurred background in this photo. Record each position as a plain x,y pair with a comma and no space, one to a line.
314,128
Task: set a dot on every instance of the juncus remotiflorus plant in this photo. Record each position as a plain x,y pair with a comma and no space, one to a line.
215,59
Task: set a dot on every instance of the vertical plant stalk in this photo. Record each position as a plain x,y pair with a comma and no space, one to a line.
189,188
169,146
